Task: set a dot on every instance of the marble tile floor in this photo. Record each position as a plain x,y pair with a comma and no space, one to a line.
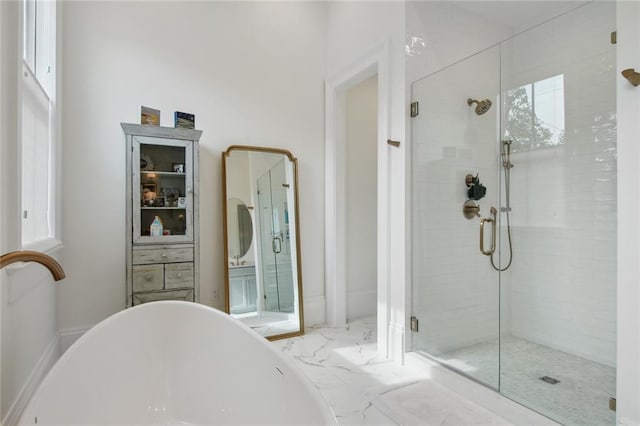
364,389
580,398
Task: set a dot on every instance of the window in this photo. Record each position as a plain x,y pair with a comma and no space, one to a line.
37,94
534,114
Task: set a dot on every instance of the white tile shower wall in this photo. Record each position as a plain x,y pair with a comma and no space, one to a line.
455,290
563,284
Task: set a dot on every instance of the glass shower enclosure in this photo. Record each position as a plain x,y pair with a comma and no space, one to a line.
275,250
514,216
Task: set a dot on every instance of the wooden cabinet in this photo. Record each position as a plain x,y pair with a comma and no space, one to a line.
162,213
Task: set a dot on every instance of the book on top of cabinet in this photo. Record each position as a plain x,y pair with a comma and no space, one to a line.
184,120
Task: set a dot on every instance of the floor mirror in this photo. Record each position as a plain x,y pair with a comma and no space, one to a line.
263,277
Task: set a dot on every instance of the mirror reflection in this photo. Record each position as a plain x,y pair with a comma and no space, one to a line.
264,287
240,229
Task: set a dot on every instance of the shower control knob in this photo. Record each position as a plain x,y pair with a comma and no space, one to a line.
470,209
468,179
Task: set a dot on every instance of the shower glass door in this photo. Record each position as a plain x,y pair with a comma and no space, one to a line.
535,319
558,85
275,240
456,295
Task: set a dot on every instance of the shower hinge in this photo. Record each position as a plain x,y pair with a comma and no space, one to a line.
612,404
414,324
415,109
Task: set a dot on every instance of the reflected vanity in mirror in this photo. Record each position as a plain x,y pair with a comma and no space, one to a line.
263,276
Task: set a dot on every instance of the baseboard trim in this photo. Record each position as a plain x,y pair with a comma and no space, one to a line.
315,310
46,361
69,336
396,342
627,422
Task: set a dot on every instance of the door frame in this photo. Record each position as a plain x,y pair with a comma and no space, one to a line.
374,62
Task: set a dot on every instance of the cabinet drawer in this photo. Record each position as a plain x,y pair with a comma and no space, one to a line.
186,295
147,256
178,275
147,278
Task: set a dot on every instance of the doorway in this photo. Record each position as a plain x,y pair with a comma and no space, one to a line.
361,125
373,64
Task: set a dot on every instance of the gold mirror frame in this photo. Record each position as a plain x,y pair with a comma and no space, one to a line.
294,162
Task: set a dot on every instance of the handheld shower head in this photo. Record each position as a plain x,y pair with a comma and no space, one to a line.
482,106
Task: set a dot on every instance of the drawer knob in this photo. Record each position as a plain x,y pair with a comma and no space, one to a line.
163,255
148,277
179,274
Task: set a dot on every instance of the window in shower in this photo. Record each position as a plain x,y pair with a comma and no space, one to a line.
534,114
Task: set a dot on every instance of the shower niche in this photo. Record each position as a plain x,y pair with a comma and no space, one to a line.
517,292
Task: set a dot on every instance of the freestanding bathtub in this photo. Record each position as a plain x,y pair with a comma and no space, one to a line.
174,363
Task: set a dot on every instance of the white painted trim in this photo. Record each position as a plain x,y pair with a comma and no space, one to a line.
314,310
374,61
477,393
397,342
628,196
46,361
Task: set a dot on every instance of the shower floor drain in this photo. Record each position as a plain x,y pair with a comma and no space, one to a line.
550,380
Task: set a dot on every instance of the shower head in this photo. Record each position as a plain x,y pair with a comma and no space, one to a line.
482,107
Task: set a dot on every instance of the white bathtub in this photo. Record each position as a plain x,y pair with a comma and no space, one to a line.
174,363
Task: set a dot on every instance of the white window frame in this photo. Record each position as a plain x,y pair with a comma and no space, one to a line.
45,76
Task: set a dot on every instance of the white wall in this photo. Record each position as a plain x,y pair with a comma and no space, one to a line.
354,29
442,33
252,73
361,197
628,110
27,294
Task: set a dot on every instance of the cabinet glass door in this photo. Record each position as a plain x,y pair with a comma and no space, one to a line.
162,190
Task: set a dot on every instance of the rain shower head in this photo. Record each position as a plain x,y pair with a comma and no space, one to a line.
482,107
